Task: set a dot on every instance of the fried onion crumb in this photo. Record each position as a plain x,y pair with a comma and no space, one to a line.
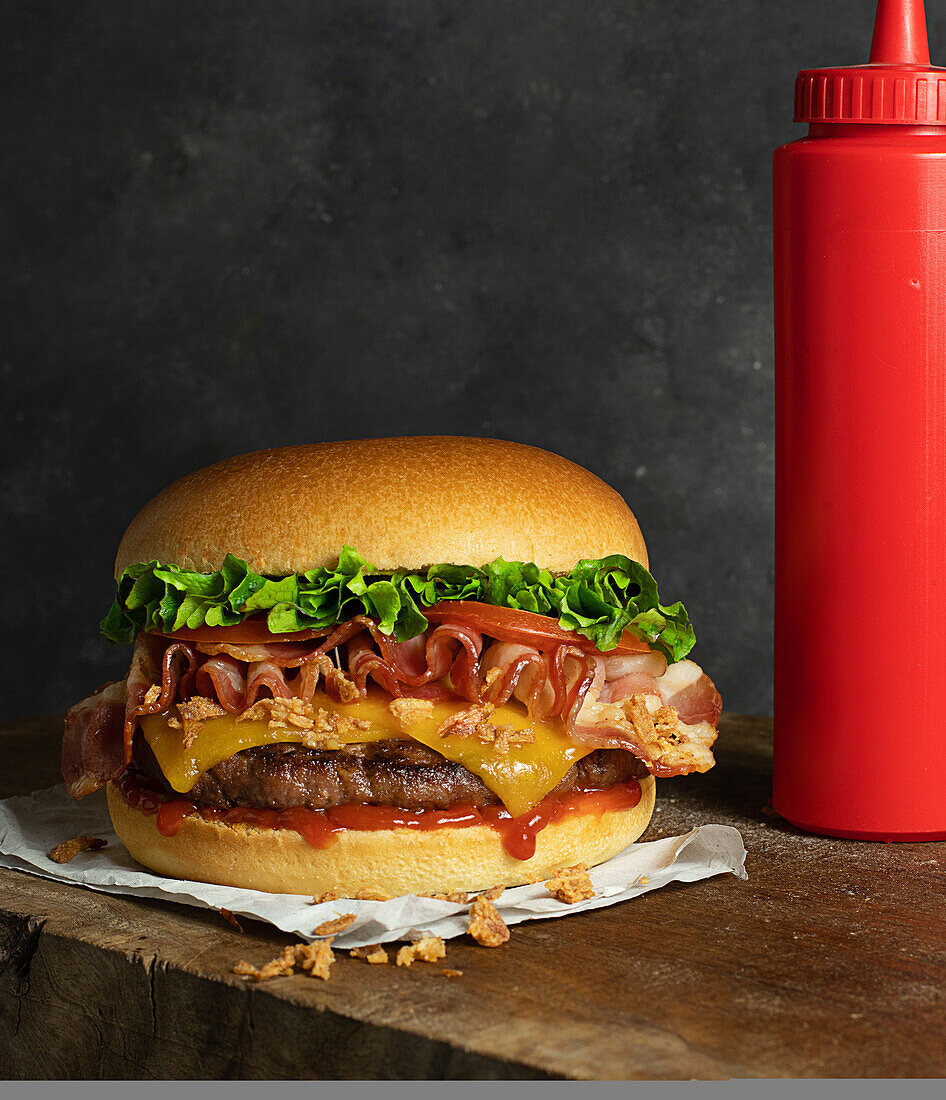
457,897
508,737
493,893
427,949
316,958
330,731
194,712
260,711
341,686
409,712
475,722
276,968
659,730
448,972
281,713
486,926
373,893
571,884
374,953
69,849
339,924
318,728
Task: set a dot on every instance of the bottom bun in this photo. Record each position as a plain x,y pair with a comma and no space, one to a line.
397,861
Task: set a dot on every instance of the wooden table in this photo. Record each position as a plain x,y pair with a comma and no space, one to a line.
829,962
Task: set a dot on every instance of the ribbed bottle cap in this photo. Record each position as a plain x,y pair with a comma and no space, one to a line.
871,94
898,85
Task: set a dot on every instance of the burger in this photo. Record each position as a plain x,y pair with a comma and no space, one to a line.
404,665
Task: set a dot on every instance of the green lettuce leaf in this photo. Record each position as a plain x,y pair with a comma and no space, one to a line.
600,598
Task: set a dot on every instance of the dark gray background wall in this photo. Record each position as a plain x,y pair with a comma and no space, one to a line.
236,225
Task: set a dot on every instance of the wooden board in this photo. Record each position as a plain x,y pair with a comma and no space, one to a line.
829,962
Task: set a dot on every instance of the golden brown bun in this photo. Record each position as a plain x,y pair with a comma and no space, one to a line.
398,861
402,503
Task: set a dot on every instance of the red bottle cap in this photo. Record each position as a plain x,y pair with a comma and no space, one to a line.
897,85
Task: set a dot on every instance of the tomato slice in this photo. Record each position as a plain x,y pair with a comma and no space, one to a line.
505,624
253,631
508,624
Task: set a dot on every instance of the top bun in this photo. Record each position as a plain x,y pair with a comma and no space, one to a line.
402,503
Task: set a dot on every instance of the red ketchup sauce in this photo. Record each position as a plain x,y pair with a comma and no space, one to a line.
519,833
321,827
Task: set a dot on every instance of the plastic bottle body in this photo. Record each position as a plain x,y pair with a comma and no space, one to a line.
860,582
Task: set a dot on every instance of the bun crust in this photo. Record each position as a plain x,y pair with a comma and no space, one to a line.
402,503
398,861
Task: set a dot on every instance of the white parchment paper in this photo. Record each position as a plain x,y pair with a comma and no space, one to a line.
31,826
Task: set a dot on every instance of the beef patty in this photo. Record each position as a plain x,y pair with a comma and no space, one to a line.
392,773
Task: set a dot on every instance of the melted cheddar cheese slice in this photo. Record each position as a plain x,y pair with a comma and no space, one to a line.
519,778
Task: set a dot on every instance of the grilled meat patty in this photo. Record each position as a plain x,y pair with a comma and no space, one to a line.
392,773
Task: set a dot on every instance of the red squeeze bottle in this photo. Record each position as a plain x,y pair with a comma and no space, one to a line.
860,355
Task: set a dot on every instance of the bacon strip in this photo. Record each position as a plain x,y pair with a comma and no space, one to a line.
281,654
520,671
363,662
98,734
400,666
175,664
582,675
265,674
685,687
93,748
632,675
690,752
236,686
311,672
223,677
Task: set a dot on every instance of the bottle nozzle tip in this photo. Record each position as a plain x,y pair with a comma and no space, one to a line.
900,34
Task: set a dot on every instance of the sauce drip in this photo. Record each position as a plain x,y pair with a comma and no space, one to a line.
171,814
519,833
321,827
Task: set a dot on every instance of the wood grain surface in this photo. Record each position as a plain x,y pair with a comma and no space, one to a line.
829,962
